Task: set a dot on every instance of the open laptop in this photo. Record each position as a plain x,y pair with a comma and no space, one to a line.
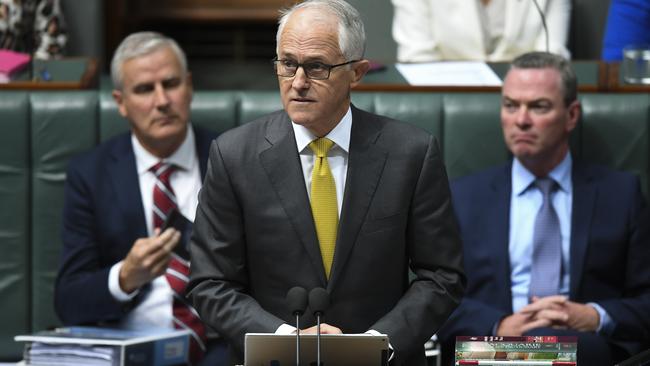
264,349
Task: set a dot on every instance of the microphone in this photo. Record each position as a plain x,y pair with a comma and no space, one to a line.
319,300
297,300
541,15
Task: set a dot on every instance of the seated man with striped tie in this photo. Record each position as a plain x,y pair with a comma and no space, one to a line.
118,267
553,245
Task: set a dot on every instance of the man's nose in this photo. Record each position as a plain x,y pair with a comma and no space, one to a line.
160,96
300,79
522,117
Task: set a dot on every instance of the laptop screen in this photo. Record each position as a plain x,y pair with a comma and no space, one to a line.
264,349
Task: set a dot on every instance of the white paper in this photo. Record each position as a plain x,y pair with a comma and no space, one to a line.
457,73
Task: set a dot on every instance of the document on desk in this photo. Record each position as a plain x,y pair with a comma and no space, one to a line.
448,73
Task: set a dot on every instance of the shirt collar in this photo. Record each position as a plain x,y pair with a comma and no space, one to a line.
522,178
340,135
184,157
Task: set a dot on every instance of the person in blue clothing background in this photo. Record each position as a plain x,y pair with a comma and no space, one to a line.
628,22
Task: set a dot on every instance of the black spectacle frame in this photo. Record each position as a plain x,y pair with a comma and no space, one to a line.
311,69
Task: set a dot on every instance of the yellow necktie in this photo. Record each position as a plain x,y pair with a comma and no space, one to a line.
323,201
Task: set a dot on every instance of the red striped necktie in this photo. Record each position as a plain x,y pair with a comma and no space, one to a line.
178,271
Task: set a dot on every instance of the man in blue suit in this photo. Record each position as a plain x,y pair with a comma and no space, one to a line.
600,287
115,259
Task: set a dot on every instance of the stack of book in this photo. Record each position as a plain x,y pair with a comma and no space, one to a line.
93,346
516,351
11,63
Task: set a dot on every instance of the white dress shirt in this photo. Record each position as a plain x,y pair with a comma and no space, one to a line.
156,308
525,202
337,157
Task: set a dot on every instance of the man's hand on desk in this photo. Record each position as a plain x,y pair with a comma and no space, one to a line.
147,259
324,329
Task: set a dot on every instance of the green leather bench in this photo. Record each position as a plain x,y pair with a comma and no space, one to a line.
42,130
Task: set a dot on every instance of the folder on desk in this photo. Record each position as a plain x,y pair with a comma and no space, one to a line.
11,63
106,346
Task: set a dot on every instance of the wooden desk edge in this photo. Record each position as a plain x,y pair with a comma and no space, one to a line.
377,87
88,80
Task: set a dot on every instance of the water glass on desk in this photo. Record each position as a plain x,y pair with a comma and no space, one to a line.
636,64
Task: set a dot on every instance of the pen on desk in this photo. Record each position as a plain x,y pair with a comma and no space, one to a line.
515,363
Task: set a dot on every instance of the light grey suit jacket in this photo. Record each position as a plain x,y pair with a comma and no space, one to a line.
254,236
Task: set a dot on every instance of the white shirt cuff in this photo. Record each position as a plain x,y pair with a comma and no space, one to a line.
606,324
285,329
114,284
391,352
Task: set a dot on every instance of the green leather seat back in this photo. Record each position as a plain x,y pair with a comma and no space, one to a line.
255,104
111,123
421,109
14,222
365,101
63,125
472,137
616,132
214,110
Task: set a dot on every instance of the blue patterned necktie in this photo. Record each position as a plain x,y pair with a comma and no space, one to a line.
546,267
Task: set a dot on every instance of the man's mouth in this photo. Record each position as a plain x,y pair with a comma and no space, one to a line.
302,100
525,139
164,119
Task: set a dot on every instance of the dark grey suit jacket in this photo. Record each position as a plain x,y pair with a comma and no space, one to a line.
254,236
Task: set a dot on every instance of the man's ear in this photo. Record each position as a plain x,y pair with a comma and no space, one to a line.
360,69
188,79
119,100
574,111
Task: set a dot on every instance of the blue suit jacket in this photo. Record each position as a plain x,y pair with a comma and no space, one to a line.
610,251
102,217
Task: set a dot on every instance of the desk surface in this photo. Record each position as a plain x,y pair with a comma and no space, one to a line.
592,77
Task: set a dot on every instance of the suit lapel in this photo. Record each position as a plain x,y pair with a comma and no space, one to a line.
122,172
365,164
496,230
285,175
584,198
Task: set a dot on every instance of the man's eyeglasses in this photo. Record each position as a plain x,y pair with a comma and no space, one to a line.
313,70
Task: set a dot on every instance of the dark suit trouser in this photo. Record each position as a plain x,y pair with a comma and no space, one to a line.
216,355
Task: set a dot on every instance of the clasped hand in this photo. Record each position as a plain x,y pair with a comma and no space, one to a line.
550,312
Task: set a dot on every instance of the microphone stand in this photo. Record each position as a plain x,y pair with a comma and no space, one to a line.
318,339
297,338
318,301
297,300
